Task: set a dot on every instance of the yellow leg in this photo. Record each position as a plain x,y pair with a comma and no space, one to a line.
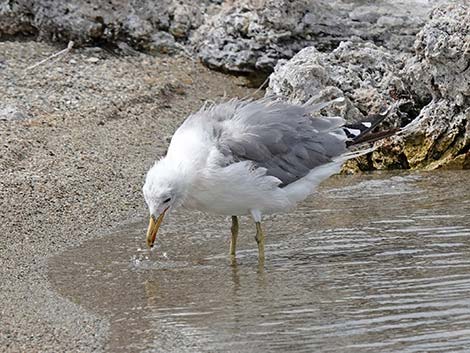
260,240
233,240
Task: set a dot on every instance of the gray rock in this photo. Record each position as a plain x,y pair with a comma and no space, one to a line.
185,18
364,74
431,87
14,19
440,135
162,42
441,65
136,22
248,36
241,36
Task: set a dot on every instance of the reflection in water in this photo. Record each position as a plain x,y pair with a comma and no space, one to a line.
376,263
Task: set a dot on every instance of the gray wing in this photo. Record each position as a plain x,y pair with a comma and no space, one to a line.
283,138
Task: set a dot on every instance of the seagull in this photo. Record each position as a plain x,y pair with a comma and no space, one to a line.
252,157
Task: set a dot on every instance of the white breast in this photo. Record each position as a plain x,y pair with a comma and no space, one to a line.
235,190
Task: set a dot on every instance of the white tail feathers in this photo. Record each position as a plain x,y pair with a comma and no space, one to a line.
354,154
300,189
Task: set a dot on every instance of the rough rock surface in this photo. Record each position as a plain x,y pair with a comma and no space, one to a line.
440,135
243,36
248,36
136,22
367,77
432,87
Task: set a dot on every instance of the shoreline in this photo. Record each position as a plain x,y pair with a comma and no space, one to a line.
78,137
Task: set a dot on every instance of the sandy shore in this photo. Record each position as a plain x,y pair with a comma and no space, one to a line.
76,137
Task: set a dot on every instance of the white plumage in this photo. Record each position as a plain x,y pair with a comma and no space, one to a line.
246,157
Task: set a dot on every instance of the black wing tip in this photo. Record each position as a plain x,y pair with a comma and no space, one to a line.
372,137
363,131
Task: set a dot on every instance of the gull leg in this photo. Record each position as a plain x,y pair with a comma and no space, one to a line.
233,240
259,235
260,240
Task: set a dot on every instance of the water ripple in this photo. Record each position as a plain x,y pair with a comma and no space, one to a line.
368,264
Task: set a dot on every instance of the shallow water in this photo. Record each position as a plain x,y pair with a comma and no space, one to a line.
375,263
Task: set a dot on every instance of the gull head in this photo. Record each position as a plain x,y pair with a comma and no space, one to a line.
163,190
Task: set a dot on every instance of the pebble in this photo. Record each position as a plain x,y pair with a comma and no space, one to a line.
92,60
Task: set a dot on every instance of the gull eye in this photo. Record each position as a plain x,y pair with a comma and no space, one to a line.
167,200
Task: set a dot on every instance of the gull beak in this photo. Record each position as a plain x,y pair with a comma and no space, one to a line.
153,228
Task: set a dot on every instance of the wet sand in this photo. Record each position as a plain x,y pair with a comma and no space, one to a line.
76,137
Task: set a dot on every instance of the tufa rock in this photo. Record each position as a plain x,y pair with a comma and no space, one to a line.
367,77
137,22
240,36
430,88
252,35
440,136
